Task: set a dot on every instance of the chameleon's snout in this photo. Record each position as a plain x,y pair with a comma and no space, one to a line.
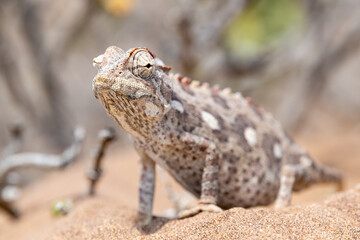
97,61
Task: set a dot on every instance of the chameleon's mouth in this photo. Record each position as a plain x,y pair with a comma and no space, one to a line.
99,86
122,88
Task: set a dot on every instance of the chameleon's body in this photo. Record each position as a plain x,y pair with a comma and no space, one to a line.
216,144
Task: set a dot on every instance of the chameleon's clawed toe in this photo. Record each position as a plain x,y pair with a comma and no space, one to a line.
199,208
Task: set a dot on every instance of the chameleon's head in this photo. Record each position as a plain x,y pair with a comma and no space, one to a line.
132,85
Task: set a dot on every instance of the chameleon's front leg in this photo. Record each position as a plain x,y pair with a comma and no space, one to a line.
210,182
146,190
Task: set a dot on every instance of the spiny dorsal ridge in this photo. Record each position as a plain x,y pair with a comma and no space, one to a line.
205,85
195,83
226,91
215,89
186,81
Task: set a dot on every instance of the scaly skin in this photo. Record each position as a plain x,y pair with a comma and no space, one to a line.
217,145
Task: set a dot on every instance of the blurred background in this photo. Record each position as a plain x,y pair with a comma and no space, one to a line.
294,57
299,59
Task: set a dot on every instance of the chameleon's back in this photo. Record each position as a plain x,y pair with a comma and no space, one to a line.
252,144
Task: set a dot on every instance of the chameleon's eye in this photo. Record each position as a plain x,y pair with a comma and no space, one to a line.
143,64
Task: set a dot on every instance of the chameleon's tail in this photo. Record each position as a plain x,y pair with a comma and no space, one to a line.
318,173
329,174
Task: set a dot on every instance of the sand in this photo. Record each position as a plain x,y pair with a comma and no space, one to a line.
336,218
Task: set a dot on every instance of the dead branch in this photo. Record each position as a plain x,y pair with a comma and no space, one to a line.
36,160
106,136
8,208
306,63
42,161
41,50
200,26
16,132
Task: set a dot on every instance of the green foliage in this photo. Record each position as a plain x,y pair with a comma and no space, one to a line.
261,26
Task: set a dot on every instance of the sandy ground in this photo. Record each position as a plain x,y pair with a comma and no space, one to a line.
334,143
336,218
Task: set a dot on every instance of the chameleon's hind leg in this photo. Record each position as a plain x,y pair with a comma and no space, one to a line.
287,179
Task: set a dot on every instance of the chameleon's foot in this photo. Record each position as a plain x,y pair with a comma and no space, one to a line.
142,220
199,208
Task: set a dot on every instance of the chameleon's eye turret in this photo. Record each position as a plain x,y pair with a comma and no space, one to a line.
143,64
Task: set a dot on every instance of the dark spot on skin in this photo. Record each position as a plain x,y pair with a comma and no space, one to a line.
245,180
241,122
202,148
220,135
230,157
191,129
232,197
227,181
233,170
261,178
153,150
197,183
220,100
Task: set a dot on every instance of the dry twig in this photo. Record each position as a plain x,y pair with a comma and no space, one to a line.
37,160
106,136
16,132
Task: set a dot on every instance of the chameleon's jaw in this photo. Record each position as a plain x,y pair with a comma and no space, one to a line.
121,87
100,84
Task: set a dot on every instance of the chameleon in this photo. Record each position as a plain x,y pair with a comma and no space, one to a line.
218,145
